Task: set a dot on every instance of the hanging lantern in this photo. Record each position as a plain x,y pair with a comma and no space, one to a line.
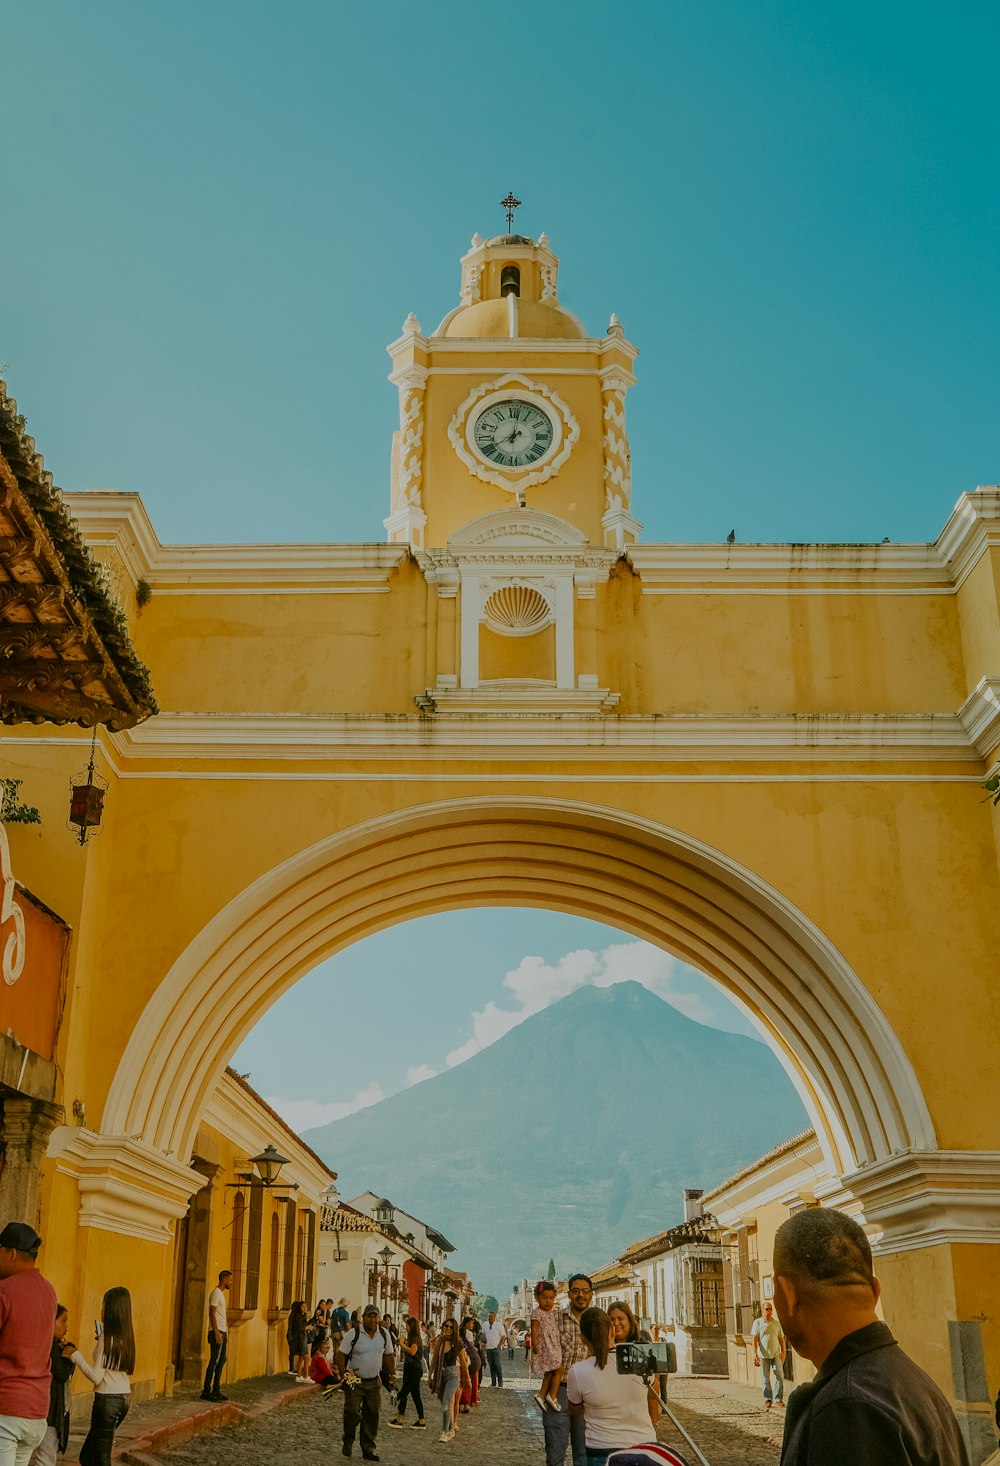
86,805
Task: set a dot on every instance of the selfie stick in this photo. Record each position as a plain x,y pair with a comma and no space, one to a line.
667,1410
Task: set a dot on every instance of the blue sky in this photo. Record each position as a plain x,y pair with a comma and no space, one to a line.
216,216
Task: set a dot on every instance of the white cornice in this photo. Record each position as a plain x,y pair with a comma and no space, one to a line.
522,732
202,569
980,716
107,516
784,568
930,1198
125,1185
972,529
439,346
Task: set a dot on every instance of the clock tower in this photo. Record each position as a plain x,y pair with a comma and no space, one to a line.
509,404
511,482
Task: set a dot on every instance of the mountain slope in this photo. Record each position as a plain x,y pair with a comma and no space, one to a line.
571,1136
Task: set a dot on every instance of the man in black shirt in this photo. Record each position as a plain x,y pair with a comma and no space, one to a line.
869,1404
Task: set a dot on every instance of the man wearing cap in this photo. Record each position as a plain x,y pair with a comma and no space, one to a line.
27,1315
363,1352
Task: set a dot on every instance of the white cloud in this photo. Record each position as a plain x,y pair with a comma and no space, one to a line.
304,1114
418,1072
534,984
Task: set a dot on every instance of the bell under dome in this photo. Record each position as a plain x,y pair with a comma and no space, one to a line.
509,290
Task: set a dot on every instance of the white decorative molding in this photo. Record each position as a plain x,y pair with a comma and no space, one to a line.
405,526
980,716
125,1185
679,736
929,1198
621,529
516,607
506,529
972,529
786,569
529,698
566,434
15,944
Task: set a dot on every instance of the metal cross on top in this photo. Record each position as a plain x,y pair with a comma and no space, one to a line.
510,203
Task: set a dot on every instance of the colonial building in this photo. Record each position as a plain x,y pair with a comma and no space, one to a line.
427,1288
752,755
260,1220
750,1207
673,1283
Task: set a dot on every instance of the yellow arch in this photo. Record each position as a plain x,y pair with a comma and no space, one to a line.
854,1078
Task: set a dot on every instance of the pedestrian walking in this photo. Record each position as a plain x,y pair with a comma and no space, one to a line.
470,1390
365,1352
56,1435
769,1354
411,1351
562,1432
109,1373
28,1306
868,1400
218,1337
449,1373
495,1338
546,1347
511,1343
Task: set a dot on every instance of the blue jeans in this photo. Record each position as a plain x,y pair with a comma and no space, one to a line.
448,1392
496,1368
766,1365
561,1431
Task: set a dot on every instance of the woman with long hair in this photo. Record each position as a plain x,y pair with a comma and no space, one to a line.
449,1372
56,1435
298,1348
411,1347
617,1409
470,1390
114,1362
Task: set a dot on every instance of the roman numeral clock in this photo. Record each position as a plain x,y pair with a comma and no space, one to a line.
513,433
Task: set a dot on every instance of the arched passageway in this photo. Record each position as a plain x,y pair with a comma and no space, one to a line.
666,888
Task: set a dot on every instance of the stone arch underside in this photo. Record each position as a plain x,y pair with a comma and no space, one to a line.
654,883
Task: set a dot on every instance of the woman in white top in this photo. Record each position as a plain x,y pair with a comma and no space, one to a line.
617,1409
114,1361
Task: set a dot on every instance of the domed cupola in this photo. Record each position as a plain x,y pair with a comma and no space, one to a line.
509,290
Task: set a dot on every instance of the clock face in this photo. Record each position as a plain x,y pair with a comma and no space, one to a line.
513,434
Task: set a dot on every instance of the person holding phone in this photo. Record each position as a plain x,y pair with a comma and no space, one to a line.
113,1364
617,1409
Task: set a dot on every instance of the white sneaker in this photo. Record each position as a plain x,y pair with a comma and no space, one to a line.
444,1436
540,1400
554,1404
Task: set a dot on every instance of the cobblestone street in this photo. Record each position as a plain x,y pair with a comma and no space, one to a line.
505,1430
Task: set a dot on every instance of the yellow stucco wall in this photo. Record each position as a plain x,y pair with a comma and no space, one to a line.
793,711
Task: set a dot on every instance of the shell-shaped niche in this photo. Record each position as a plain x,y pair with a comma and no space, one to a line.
517,610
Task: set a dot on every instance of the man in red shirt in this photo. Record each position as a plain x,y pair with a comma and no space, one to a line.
27,1313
